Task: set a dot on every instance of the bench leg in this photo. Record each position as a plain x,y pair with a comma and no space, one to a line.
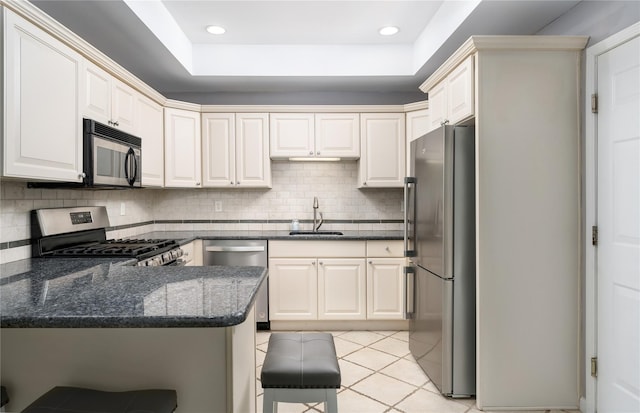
331,402
269,405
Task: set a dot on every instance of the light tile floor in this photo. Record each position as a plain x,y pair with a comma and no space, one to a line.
379,375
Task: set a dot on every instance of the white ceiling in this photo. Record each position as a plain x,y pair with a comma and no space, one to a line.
291,46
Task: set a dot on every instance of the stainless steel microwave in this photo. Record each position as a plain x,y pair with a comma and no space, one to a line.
112,158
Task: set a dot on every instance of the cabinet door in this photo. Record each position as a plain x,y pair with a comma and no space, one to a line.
438,105
460,92
123,106
253,165
182,148
292,134
293,289
151,131
42,114
385,289
417,125
337,135
382,155
218,149
96,102
341,289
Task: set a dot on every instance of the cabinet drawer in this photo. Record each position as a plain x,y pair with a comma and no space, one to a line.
385,249
304,249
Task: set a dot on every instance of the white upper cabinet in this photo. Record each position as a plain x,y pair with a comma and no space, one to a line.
235,150
253,165
292,134
337,135
309,135
452,100
42,115
151,131
108,100
382,161
182,148
417,125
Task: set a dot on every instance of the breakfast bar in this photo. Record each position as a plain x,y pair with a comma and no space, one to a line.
108,325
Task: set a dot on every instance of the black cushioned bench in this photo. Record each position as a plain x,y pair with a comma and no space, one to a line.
300,368
79,400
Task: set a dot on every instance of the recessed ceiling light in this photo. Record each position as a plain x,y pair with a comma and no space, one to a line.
216,29
389,30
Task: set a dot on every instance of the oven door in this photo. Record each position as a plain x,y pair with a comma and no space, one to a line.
114,163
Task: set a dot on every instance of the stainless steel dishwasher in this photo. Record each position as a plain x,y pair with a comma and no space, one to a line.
242,253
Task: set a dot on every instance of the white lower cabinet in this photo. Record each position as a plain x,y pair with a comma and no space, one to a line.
331,280
386,292
385,288
341,289
293,289
317,280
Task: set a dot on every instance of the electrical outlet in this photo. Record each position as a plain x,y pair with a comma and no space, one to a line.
122,209
218,206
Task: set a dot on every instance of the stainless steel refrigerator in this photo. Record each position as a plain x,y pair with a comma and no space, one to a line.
440,241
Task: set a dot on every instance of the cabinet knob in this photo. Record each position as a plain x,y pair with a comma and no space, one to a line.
364,184
318,153
370,262
238,183
313,263
82,175
197,183
231,182
310,152
116,123
321,263
387,249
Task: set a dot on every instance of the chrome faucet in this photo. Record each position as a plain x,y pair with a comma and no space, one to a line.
316,223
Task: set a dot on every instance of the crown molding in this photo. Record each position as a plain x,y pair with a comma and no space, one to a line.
177,104
410,107
36,16
303,108
481,43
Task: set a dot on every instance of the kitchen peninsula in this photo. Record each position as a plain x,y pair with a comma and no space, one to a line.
105,324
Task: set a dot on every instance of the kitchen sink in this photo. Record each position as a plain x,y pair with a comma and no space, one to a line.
315,233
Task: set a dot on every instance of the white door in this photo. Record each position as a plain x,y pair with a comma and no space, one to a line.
341,289
618,217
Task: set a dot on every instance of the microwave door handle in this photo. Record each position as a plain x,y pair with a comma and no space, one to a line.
135,169
128,173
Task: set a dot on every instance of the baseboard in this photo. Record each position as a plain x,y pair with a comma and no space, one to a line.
337,325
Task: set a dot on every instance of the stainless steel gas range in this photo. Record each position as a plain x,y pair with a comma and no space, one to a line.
81,232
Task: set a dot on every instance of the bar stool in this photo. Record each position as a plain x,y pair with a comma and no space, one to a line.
79,400
300,368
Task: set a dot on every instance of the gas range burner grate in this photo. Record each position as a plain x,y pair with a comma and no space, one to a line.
117,248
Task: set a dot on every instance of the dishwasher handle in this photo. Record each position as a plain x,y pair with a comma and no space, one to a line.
235,248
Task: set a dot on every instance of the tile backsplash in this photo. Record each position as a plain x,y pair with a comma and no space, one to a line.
294,186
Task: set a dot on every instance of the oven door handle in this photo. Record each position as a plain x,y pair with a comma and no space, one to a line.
130,167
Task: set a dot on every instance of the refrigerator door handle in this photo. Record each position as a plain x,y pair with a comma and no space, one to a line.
409,292
409,220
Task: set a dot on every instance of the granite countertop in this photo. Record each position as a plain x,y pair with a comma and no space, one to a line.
188,236
86,293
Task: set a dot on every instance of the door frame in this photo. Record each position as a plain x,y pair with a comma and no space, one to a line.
588,403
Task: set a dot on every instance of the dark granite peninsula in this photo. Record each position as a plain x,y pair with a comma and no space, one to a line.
102,324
